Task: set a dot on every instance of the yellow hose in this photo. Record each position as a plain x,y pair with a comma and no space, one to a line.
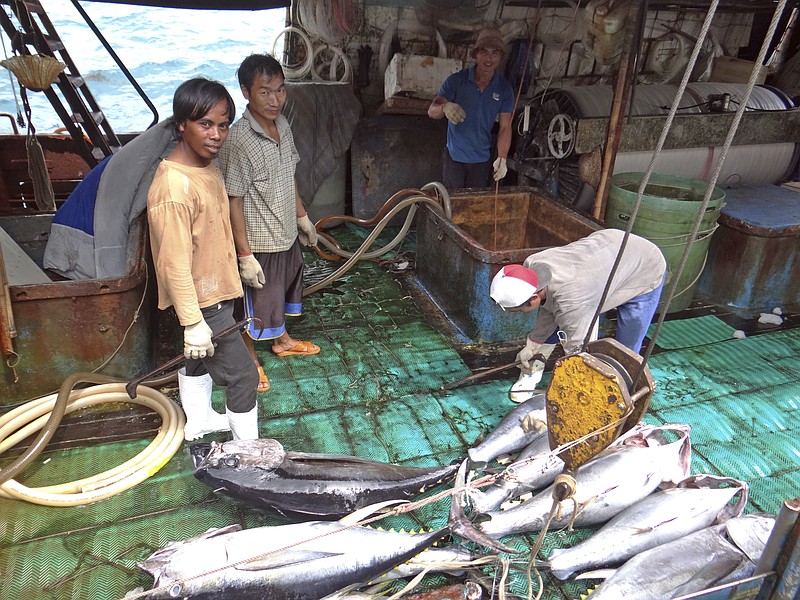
21,422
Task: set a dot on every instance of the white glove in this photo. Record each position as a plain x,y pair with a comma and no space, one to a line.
531,350
197,340
251,272
306,231
500,168
454,113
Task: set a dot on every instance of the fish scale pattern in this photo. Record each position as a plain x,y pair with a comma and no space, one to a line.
375,391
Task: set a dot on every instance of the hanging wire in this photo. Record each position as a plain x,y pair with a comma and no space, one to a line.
751,83
20,118
646,178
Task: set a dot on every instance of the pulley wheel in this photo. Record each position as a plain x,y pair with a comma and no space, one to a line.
588,399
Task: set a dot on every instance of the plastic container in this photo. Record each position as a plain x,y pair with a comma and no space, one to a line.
666,217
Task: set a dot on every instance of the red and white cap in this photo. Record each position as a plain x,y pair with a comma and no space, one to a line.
513,286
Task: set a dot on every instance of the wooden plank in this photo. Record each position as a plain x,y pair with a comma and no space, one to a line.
399,105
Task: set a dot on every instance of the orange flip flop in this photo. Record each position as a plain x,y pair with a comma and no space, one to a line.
263,380
300,348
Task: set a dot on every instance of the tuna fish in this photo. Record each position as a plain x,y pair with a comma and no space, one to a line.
534,468
697,502
260,472
523,424
691,563
616,478
301,561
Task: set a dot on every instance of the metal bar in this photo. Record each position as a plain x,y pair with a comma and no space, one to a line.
782,554
118,60
640,134
477,376
615,121
131,386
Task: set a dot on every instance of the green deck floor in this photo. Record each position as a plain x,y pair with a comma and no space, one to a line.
374,391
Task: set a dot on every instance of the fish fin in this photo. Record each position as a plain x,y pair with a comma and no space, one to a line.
561,574
460,525
363,513
588,592
596,574
284,558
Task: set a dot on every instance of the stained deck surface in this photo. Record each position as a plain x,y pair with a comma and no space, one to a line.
375,391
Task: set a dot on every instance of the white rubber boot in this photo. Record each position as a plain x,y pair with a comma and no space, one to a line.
525,387
244,426
201,418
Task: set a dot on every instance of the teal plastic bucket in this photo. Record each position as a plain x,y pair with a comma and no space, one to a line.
666,217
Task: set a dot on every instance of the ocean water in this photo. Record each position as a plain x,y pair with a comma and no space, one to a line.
161,47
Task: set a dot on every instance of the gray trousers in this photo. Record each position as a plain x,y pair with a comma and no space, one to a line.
231,367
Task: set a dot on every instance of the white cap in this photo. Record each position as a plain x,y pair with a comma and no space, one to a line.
513,286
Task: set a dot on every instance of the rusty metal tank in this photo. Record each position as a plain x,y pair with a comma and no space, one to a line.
68,326
458,257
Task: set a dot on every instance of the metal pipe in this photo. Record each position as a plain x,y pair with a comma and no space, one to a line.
131,386
8,330
476,376
128,75
782,552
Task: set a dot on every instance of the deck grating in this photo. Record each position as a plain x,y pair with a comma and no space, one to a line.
375,391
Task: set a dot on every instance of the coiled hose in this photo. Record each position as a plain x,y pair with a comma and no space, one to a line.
432,194
23,421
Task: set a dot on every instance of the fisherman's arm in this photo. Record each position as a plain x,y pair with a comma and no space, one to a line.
250,269
171,235
436,108
305,228
503,144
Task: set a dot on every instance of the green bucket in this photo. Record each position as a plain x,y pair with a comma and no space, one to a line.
666,217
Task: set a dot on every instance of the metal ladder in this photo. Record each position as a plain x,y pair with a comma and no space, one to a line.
81,115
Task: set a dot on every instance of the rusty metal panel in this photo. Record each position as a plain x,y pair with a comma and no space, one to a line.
390,153
754,257
457,259
65,327
691,131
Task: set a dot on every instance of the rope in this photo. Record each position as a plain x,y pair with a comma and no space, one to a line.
513,112
725,147
37,166
643,185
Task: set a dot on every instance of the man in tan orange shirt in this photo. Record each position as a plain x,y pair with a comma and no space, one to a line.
195,262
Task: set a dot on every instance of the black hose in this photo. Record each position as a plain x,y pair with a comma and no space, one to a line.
46,434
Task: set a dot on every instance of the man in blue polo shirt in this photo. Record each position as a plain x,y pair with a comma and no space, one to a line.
473,100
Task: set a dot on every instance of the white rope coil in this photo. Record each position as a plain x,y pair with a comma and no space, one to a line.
29,418
289,71
339,57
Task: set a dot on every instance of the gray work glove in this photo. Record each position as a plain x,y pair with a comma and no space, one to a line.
454,113
251,272
197,340
306,231
499,168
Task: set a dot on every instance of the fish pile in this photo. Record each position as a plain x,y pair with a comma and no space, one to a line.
668,532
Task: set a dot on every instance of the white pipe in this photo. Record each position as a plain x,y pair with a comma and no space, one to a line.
31,417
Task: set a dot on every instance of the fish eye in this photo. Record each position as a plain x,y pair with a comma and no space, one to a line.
231,461
175,590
